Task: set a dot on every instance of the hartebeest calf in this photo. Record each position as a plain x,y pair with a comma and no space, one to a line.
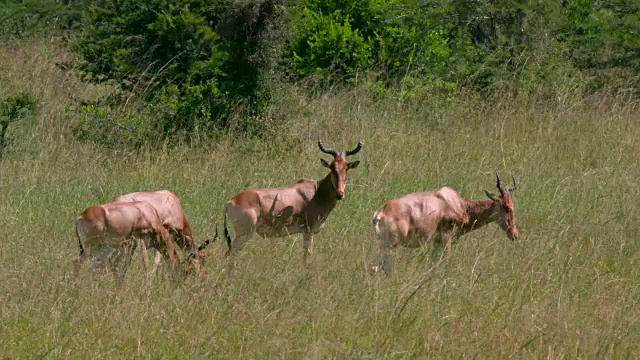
122,226
301,207
438,216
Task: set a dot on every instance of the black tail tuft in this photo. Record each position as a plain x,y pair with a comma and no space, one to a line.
79,241
226,231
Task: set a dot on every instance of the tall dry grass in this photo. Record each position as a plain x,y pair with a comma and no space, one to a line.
569,288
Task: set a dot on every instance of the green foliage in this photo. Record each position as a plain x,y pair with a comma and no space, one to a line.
603,38
193,60
328,46
604,33
200,66
161,45
416,46
15,107
19,18
12,109
402,42
482,44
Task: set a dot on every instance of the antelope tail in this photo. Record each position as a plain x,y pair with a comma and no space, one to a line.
79,241
226,230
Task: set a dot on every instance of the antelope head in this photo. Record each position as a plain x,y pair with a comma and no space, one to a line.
502,208
339,166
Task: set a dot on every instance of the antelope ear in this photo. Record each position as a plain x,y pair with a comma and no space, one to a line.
353,164
325,163
491,196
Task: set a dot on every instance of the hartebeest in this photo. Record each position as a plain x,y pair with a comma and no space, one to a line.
169,208
172,216
301,207
122,226
438,216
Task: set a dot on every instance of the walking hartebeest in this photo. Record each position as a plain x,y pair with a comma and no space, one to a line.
439,215
302,207
122,226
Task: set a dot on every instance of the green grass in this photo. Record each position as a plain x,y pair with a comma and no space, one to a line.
568,289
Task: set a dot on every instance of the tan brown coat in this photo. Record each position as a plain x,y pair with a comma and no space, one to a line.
301,207
417,218
121,226
172,216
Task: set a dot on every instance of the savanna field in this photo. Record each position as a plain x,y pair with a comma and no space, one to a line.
569,288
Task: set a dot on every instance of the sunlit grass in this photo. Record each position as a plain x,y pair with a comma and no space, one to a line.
568,288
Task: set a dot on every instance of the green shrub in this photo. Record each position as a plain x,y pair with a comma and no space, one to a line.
191,61
329,47
12,109
20,18
200,66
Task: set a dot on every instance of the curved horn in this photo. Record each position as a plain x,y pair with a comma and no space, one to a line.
354,151
498,185
208,241
326,150
512,187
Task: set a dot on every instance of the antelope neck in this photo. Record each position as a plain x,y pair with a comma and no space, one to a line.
325,193
480,214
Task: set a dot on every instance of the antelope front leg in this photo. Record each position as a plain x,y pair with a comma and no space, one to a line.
447,238
145,258
157,258
172,251
128,255
386,260
308,247
143,254
169,244
120,260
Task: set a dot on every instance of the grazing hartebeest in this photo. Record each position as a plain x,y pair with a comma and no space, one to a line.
167,204
302,207
439,215
122,226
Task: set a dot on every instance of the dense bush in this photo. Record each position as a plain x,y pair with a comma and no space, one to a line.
20,18
338,40
198,65
195,62
12,109
451,42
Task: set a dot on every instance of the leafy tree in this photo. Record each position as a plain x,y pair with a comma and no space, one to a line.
194,61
